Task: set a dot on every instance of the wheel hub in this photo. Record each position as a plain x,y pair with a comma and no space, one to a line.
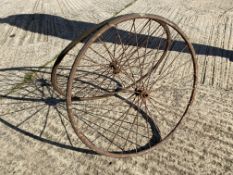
115,67
142,93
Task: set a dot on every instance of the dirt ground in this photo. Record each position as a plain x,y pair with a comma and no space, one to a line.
37,138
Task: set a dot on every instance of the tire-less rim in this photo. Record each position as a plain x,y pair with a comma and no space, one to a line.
82,135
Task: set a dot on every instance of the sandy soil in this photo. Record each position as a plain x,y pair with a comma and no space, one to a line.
37,138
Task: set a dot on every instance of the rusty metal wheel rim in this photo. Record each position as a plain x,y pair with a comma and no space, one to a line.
65,51
137,92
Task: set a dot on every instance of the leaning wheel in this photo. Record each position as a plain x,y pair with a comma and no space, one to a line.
145,68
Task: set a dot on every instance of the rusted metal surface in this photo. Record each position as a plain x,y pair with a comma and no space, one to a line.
120,76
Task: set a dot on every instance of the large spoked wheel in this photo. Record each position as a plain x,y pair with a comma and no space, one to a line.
145,67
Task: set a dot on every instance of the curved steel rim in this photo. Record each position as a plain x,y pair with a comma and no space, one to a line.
66,50
81,135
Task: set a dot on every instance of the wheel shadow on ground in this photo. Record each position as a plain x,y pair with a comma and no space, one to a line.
30,106
56,26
